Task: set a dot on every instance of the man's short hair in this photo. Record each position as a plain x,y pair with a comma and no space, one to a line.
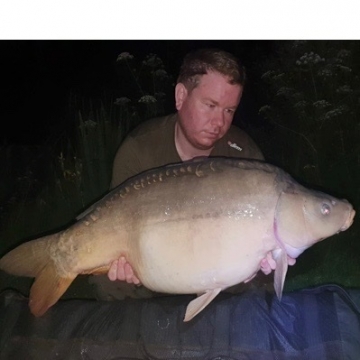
200,62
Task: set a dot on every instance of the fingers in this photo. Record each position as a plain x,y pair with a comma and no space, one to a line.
112,273
121,270
117,271
271,261
268,264
130,276
265,267
121,274
291,261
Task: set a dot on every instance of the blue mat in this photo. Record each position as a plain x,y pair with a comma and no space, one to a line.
317,323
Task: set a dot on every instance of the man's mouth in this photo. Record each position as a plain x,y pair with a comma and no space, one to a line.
213,134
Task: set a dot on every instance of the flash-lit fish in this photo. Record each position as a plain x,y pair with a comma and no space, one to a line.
190,228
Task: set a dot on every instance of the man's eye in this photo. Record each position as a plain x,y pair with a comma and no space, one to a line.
211,106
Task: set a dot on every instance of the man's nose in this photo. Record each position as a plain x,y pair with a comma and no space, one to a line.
218,118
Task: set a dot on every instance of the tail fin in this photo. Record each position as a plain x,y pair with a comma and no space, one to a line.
32,259
28,259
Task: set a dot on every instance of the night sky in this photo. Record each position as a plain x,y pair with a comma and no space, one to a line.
38,76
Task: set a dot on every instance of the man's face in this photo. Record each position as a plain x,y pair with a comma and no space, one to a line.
206,113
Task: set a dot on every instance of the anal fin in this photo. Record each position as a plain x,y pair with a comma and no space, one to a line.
47,289
197,305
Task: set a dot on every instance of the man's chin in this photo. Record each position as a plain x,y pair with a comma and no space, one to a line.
205,147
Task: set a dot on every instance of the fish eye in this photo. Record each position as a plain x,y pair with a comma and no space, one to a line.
325,209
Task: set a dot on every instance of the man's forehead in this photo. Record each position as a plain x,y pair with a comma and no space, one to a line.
217,79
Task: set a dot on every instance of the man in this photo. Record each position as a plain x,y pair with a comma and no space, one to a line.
207,93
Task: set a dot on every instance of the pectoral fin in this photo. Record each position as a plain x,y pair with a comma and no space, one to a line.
198,304
280,258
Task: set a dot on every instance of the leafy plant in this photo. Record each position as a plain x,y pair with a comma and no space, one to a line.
145,85
312,107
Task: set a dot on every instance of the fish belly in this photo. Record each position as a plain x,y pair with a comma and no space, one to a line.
195,256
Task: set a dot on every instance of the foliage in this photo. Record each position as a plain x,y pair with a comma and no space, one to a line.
44,189
313,104
78,162
312,109
146,86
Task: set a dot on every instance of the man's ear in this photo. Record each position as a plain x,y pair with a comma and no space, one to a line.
180,95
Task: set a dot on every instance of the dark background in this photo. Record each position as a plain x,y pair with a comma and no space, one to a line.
39,75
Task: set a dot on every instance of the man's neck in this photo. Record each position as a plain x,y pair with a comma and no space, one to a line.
186,150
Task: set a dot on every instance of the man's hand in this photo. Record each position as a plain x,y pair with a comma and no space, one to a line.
121,270
268,264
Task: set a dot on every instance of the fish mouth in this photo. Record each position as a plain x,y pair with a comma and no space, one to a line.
349,220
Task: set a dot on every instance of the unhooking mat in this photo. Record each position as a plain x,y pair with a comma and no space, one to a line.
312,324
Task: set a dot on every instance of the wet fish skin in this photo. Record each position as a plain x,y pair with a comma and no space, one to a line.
195,227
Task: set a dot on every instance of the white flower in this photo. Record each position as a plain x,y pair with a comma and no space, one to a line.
325,73
122,101
331,114
344,68
321,104
344,53
264,109
336,112
268,74
161,73
153,61
309,58
148,99
124,56
88,124
278,76
300,104
345,89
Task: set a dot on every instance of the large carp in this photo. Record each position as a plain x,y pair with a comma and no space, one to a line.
189,228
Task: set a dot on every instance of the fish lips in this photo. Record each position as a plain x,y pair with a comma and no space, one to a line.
349,220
